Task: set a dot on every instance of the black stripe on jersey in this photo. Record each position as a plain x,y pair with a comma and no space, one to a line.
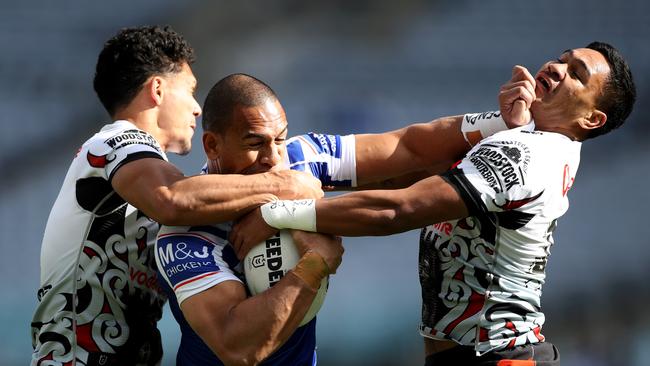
514,220
475,206
93,191
469,194
133,157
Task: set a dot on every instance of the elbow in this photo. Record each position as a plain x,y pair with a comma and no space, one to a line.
398,219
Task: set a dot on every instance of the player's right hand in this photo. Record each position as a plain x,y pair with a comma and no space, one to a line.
297,185
516,97
329,247
248,231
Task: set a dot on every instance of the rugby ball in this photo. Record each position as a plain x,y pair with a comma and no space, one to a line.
269,261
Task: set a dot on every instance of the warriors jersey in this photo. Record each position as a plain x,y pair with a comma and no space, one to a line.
194,259
482,276
99,299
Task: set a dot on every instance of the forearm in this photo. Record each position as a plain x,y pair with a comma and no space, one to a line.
261,324
243,330
163,193
213,198
432,146
375,212
422,146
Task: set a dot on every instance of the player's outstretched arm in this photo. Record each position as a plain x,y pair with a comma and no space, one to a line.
424,147
431,146
385,212
163,193
375,212
244,331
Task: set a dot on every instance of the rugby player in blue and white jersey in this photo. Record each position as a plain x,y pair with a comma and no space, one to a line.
244,133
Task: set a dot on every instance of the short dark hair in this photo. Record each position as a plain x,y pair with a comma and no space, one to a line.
619,92
131,57
229,92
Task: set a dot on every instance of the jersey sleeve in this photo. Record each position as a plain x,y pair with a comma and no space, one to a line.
496,176
121,148
191,263
330,158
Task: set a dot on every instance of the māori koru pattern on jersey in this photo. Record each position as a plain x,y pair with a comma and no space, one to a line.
481,276
99,299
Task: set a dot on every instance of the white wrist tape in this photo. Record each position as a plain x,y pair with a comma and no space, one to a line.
487,123
287,214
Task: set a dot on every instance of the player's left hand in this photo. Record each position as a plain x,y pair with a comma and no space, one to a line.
516,96
248,231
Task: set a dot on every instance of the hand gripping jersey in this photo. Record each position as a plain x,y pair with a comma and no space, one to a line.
99,299
194,259
482,276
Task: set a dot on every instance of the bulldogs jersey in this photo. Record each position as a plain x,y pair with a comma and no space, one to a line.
194,259
482,276
99,299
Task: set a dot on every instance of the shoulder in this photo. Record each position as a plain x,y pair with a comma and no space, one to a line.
317,143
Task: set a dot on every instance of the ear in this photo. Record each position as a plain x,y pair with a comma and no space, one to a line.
595,120
156,89
211,144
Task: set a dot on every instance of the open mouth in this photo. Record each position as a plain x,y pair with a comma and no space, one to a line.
546,85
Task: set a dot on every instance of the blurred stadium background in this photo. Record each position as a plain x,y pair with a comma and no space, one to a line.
339,67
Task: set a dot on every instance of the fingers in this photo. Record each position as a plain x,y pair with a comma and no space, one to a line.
519,110
236,241
521,90
248,232
327,246
522,84
520,73
516,97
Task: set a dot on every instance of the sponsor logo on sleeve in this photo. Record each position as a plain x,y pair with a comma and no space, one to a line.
132,137
184,257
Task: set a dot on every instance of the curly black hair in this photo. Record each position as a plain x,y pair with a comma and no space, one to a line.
131,57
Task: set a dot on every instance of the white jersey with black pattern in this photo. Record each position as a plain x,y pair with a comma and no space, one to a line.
99,297
482,276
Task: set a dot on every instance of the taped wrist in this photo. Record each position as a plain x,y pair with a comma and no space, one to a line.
476,126
288,214
311,268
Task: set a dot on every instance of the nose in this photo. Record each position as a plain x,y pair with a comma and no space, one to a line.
197,109
272,156
557,70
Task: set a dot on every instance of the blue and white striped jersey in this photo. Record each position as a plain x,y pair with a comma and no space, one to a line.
194,259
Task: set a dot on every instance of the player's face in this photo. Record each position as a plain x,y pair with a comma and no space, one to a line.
179,110
568,88
255,141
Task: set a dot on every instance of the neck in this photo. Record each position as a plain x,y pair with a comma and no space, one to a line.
145,119
561,130
564,126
